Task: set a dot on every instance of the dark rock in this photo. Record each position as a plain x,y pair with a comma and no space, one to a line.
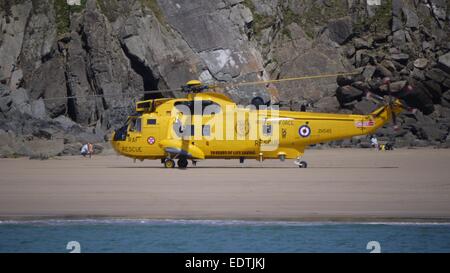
4,90
5,104
446,96
362,58
389,65
397,15
344,80
435,90
418,74
346,94
341,30
427,45
412,20
437,75
398,86
361,85
418,97
399,38
350,52
382,72
369,71
361,43
444,61
446,83
400,57
439,9
398,66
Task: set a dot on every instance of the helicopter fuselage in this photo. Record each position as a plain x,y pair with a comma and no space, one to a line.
210,125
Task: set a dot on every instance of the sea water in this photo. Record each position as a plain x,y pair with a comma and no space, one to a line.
170,236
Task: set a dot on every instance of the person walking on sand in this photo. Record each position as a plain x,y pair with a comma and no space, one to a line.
90,149
84,150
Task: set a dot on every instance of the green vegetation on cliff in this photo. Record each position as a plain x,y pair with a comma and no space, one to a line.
62,13
380,22
260,22
154,6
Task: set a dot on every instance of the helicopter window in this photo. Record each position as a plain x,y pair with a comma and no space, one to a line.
135,125
151,121
206,130
267,130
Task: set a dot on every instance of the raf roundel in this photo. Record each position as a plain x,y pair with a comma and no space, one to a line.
304,131
151,140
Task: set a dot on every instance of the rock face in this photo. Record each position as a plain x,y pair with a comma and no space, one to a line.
104,54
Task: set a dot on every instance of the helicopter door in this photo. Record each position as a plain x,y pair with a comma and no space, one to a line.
267,138
151,134
134,130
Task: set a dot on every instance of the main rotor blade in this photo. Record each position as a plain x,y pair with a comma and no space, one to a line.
212,86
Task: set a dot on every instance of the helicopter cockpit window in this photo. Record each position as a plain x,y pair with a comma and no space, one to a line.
192,107
135,125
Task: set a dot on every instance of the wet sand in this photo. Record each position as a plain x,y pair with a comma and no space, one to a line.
339,185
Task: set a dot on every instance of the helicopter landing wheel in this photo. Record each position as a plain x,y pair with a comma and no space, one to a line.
169,163
182,163
303,164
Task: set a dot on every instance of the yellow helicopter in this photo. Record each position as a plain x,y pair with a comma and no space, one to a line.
209,125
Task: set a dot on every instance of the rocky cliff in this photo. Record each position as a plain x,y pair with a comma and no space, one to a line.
71,70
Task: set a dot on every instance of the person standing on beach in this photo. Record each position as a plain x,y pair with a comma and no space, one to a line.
90,149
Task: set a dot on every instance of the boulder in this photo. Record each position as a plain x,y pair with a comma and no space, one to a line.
389,65
346,94
364,107
400,57
421,63
444,61
437,75
398,86
418,74
44,148
399,38
72,149
5,104
434,89
360,43
430,132
4,90
340,30
382,72
369,71
20,101
65,122
327,105
344,80
439,9
412,20
446,83
418,97
38,109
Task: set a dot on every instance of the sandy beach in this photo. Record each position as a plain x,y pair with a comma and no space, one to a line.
340,185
